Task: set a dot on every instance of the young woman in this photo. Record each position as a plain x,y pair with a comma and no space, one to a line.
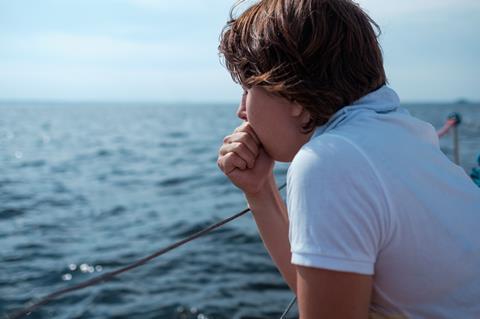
377,221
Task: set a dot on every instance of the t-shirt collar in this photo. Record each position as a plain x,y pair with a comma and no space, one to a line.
382,100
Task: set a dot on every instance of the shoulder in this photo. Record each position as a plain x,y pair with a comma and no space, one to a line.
330,156
331,169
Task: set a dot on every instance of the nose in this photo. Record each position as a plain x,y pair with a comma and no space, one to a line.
242,111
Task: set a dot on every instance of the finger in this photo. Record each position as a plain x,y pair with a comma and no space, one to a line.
231,161
241,127
227,138
244,138
241,150
249,129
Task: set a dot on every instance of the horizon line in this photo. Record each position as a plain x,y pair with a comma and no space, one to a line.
190,102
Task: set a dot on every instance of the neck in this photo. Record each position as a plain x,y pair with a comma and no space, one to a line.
294,145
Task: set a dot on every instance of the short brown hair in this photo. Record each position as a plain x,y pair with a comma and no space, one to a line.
322,54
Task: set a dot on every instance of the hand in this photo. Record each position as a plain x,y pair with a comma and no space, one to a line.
244,161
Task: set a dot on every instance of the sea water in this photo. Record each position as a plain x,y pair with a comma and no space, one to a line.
86,188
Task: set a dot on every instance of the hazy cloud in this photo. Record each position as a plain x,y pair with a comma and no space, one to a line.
167,50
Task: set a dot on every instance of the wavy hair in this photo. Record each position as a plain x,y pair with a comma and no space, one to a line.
322,54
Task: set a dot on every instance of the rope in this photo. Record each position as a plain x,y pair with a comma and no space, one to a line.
290,305
108,276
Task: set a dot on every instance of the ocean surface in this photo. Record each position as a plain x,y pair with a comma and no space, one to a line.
87,188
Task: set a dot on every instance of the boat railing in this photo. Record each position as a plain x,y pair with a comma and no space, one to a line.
453,121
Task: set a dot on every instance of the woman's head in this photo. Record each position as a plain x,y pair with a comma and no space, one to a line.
321,54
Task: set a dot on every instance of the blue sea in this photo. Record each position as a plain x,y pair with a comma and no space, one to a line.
86,188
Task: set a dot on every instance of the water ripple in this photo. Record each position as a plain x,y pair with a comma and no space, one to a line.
10,213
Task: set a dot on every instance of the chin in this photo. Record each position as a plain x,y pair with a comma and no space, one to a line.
286,159
279,156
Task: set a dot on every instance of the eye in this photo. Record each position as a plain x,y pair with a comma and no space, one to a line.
244,95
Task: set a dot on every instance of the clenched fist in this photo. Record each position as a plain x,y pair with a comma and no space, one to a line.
243,159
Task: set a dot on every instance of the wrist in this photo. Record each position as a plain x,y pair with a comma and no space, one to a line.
267,201
266,190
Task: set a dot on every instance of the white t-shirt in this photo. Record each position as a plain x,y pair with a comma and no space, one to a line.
372,193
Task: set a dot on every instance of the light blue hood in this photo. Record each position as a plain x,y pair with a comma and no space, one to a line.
383,100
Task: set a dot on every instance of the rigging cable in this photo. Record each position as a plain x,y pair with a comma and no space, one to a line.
107,276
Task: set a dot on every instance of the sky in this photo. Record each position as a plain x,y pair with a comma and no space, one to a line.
166,50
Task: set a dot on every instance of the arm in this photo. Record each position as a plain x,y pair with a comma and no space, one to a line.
332,294
249,167
270,214
321,293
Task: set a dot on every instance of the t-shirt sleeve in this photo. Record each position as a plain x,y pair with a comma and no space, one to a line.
337,209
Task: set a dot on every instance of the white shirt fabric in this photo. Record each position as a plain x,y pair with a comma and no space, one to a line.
372,193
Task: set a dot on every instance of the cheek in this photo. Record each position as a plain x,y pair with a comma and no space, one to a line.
255,118
264,126
250,110
256,110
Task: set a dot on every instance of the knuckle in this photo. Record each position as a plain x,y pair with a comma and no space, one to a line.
244,164
222,150
241,164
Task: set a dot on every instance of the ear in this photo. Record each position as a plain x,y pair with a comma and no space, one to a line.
300,113
296,109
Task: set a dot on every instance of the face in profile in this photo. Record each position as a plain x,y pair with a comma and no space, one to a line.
276,121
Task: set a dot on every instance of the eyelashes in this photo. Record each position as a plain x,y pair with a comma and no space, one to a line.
244,95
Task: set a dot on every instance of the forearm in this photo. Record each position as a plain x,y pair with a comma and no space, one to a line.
270,214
